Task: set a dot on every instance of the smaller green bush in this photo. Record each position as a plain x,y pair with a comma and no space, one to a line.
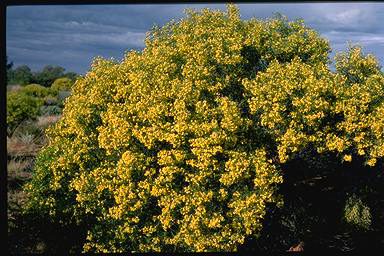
61,84
20,107
356,214
35,90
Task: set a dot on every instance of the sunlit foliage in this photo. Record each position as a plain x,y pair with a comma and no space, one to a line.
20,107
35,90
61,84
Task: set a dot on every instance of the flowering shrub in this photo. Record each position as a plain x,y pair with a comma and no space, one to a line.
179,147
305,105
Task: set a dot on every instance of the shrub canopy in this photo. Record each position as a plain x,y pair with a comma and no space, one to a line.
61,84
35,90
20,107
179,147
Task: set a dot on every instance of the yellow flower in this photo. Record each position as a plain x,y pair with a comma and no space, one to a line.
347,158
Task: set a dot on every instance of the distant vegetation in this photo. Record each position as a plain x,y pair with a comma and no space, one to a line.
31,94
23,75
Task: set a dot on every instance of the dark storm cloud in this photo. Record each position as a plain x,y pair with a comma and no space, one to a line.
356,23
70,36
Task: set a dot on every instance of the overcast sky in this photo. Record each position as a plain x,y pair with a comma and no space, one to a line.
72,35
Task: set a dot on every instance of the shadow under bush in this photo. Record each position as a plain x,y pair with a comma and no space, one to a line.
37,233
314,200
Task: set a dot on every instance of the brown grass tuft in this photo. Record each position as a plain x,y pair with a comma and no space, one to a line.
24,145
14,88
17,168
44,122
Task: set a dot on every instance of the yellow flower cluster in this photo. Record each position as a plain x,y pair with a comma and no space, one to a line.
164,151
307,104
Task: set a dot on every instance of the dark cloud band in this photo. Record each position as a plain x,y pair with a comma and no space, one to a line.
71,35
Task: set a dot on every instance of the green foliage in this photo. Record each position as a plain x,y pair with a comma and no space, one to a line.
42,184
356,213
20,107
180,147
35,90
48,75
61,84
71,75
21,75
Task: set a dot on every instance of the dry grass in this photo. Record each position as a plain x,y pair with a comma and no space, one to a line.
44,122
28,138
14,88
16,198
19,168
24,145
